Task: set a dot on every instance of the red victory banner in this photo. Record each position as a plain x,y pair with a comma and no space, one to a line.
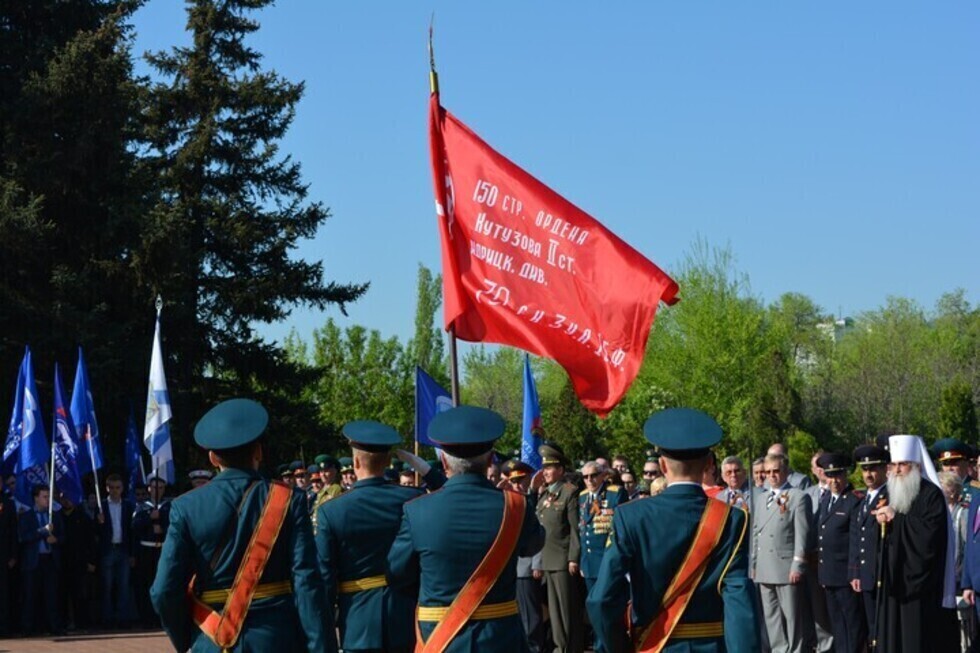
523,266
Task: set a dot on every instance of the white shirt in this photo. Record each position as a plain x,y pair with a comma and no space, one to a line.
115,516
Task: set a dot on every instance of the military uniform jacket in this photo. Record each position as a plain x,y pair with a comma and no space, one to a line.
143,525
865,540
595,517
558,513
970,577
210,529
354,533
833,538
780,533
442,539
650,539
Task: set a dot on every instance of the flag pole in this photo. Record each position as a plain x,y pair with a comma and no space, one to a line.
95,472
418,481
51,483
453,363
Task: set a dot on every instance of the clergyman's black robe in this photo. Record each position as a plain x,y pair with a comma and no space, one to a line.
911,616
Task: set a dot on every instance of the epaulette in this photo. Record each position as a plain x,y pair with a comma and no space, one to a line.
975,484
612,488
583,492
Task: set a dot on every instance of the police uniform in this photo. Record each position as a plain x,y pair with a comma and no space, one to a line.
834,521
558,514
354,533
444,537
865,536
147,545
212,529
652,540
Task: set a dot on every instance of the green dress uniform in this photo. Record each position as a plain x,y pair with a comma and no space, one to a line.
210,529
354,533
445,535
650,540
558,513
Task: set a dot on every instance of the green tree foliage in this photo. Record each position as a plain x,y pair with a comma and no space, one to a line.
231,208
958,413
426,349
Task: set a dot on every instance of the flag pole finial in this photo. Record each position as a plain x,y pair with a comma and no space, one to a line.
433,75
159,304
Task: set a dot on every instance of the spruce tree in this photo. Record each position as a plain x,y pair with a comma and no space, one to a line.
232,208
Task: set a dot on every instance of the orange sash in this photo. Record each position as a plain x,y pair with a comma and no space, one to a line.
688,577
224,628
472,594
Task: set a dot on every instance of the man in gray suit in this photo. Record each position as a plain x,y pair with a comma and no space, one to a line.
780,533
796,479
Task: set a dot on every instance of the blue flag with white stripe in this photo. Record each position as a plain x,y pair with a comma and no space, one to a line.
531,429
64,440
156,430
86,425
14,431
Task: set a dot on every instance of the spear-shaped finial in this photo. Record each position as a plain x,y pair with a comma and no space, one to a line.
433,76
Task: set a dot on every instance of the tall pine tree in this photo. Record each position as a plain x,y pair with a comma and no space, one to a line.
218,244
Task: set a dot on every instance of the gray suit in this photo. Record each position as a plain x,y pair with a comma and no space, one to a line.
780,534
800,480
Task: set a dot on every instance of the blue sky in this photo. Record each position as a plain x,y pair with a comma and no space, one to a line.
834,146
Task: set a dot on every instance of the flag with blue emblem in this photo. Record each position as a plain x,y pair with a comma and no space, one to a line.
133,459
156,431
430,399
27,446
64,442
83,416
531,429
12,443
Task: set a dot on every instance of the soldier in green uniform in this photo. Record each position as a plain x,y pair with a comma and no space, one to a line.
558,513
953,456
683,553
230,578
354,533
330,488
458,547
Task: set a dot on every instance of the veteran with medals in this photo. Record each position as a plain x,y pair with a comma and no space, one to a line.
458,547
679,556
238,569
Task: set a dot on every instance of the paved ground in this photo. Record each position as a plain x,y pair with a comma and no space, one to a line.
133,642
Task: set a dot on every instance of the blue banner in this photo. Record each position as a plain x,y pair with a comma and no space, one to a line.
531,426
134,466
64,440
26,443
86,425
430,399
14,431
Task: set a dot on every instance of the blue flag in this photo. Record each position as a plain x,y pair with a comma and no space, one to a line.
26,444
531,429
156,430
430,399
134,466
86,425
64,440
14,430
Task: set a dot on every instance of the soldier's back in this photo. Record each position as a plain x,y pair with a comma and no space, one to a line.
210,530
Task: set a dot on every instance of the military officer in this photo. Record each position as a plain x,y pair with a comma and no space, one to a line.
558,513
460,545
354,533
330,489
284,475
199,477
834,522
530,597
238,570
347,475
865,536
954,456
678,539
150,523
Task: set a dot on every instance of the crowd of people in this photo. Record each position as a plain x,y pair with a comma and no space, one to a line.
808,554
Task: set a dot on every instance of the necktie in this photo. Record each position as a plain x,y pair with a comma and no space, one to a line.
772,497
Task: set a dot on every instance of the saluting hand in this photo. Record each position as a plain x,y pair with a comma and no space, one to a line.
537,481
